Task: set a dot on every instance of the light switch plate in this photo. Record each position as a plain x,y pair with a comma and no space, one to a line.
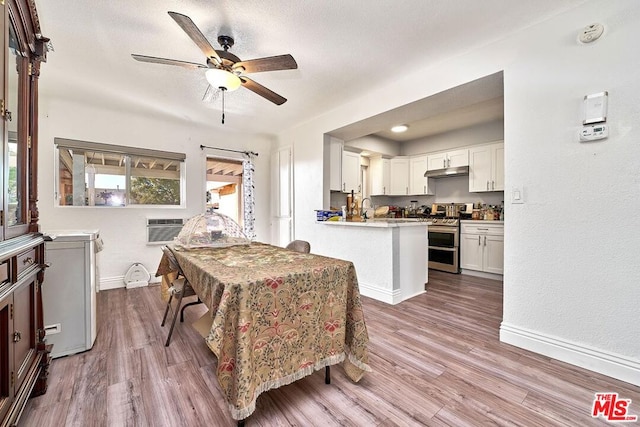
595,108
517,195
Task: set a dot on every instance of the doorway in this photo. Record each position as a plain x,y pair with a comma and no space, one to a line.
224,187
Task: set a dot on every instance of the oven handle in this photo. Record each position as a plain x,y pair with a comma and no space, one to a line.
440,248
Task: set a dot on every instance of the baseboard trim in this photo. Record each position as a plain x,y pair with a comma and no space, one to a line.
593,359
380,294
107,283
482,274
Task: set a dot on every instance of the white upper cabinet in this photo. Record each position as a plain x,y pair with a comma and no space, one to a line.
344,168
335,165
350,172
418,184
399,177
449,159
486,168
380,176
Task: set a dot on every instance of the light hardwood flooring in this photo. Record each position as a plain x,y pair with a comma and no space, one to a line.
436,358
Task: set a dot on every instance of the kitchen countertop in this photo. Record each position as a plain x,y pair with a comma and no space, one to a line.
380,223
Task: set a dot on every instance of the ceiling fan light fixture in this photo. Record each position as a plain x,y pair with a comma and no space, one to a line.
222,79
399,128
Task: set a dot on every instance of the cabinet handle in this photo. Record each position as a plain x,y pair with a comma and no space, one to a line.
17,336
359,188
27,260
487,185
485,240
448,163
493,185
444,163
479,240
343,187
384,190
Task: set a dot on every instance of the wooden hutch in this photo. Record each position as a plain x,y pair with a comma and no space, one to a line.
24,355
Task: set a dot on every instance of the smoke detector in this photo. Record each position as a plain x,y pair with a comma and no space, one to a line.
590,33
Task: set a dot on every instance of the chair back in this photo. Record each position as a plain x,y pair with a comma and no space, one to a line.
300,246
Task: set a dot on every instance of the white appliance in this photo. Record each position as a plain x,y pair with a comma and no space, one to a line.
69,290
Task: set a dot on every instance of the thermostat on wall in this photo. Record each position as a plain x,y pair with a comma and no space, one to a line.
594,132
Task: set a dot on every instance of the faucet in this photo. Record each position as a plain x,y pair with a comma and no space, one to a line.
363,212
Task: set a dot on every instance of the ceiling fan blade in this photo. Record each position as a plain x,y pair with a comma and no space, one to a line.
196,35
272,63
262,91
211,94
154,60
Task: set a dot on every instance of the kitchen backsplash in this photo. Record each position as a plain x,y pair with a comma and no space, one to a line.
448,190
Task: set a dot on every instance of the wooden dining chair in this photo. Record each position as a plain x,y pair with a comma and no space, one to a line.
299,246
180,288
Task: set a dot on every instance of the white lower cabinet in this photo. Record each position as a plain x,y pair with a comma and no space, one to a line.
482,246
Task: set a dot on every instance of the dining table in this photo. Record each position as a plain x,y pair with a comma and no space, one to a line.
276,316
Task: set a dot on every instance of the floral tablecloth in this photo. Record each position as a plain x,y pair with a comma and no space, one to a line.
278,316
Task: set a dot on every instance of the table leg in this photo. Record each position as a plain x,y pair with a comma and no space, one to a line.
327,375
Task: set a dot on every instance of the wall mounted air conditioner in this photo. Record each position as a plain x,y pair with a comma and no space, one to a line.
163,230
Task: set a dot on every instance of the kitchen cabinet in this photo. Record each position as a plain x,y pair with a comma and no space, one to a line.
24,354
482,246
448,159
380,176
486,168
418,184
350,172
344,168
399,176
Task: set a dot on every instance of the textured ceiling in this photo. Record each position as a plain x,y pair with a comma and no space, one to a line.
342,49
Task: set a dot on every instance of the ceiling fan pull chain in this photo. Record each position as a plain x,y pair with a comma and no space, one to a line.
223,91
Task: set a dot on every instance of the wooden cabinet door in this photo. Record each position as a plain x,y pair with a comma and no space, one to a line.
23,334
458,158
493,257
436,161
480,169
399,180
380,174
498,167
6,356
471,251
417,181
350,172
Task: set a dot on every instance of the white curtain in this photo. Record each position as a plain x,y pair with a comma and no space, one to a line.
249,199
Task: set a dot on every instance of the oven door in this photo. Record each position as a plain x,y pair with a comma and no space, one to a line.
443,237
443,248
444,259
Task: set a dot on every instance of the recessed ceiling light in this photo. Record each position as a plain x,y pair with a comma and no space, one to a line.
399,128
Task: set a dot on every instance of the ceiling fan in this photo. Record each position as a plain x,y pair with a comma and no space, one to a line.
225,71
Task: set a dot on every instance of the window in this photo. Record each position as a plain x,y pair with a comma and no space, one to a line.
93,174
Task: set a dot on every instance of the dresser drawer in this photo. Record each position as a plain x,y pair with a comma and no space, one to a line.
4,272
25,260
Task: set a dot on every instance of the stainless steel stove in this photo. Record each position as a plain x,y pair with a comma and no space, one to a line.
444,244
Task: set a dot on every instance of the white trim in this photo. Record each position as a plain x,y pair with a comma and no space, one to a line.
107,283
482,274
381,294
593,359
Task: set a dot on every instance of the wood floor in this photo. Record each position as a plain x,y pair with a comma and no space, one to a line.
436,360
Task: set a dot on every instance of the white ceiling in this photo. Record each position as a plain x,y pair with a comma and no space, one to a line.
342,49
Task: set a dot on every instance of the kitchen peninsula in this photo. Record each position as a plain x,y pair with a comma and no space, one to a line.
390,256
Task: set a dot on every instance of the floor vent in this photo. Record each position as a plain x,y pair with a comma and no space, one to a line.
163,230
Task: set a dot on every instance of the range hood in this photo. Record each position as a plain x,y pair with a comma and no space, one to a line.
446,172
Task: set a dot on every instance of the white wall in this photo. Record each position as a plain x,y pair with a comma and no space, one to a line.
124,229
571,278
471,135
